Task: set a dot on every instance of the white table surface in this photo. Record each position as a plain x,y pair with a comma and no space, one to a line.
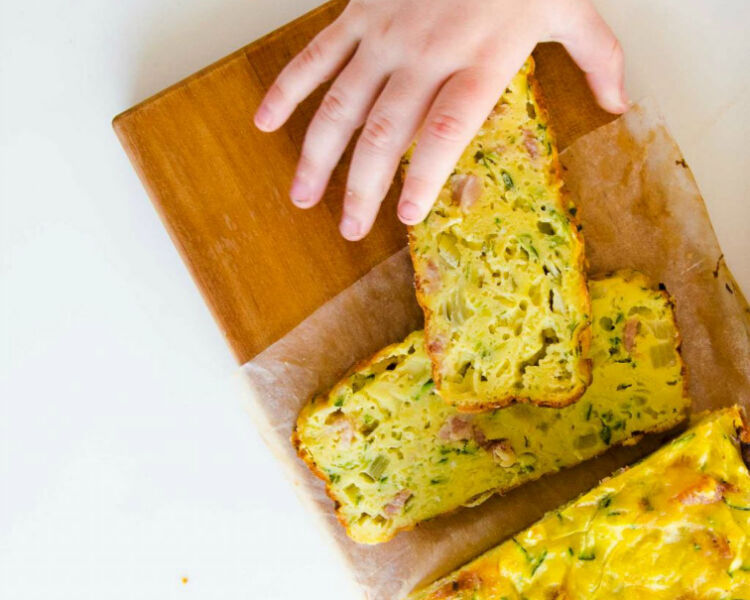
126,459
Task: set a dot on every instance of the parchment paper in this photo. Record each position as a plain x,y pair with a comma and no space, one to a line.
640,208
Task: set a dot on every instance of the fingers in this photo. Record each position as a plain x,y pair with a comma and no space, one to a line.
388,131
318,62
593,46
457,113
341,112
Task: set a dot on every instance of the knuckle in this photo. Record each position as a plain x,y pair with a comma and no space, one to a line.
430,44
377,51
312,55
444,126
332,108
378,133
386,28
355,9
355,12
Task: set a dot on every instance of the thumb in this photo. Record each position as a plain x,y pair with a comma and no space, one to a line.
596,50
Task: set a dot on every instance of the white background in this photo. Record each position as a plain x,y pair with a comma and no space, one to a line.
126,459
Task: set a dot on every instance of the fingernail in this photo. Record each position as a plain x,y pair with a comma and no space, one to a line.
350,228
300,193
264,118
408,212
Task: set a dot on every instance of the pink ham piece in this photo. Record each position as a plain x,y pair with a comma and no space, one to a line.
479,436
466,191
342,426
530,143
500,109
430,282
396,505
459,428
436,345
630,330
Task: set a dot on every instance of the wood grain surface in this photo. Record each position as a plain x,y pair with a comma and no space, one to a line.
220,185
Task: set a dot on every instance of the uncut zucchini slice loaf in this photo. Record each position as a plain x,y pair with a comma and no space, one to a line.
674,526
393,453
499,267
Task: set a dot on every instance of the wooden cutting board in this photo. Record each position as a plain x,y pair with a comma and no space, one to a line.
220,185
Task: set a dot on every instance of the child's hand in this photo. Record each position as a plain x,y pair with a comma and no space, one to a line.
436,67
